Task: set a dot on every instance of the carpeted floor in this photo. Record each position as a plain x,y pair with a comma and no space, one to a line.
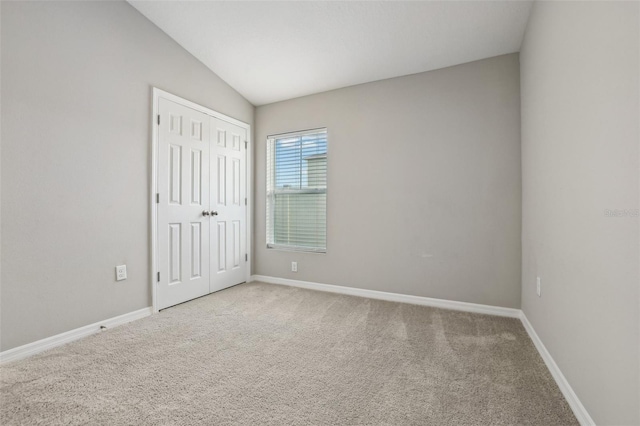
258,354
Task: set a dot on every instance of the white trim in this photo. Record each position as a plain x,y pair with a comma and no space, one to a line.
578,409
153,232
249,166
581,413
69,336
297,133
157,94
270,206
394,297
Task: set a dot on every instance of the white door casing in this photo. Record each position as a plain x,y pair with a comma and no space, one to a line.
199,167
228,195
183,229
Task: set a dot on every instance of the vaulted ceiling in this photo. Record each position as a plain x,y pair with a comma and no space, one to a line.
271,51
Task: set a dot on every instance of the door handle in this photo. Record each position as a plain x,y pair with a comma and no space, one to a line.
214,213
205,213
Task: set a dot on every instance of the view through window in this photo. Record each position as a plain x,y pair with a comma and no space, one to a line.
297,191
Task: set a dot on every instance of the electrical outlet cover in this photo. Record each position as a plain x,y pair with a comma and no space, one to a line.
121,272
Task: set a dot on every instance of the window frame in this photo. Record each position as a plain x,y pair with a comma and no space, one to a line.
270,206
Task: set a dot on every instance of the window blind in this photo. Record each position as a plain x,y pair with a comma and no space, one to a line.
297,191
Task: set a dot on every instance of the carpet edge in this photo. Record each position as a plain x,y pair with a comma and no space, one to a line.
51,342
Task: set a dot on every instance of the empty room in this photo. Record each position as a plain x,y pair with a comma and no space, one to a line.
320,212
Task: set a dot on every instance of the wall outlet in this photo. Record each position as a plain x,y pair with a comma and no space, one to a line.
538,290
294,266
121,272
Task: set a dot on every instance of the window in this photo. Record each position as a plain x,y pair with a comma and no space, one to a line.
297,191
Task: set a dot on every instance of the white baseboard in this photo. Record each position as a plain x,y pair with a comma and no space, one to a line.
69,336
572,399
579,410
394,297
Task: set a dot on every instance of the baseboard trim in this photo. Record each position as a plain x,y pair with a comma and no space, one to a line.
69,336
581,413
394,297
578,409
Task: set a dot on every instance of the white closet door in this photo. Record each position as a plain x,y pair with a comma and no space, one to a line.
228,202
184,200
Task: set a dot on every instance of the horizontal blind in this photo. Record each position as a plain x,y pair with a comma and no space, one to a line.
297,191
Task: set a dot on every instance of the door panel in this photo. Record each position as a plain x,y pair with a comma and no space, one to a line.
175,243
221,238
183,187
221,167
196,250
237,244
229,193
196,177
175,174
235,184
222,138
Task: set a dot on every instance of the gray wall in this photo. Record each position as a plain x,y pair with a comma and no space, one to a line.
580,157
76,114
423,184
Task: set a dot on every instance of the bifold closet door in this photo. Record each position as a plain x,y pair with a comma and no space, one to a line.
184,204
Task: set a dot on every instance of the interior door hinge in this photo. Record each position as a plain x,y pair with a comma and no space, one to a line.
246,143
157,198
245,201
158,119
246,257
158,276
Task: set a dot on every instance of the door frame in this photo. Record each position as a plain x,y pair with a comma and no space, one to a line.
161,94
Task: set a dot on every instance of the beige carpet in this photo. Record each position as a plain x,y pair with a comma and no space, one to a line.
260,354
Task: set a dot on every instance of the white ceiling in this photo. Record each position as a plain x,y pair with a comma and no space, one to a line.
271,51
